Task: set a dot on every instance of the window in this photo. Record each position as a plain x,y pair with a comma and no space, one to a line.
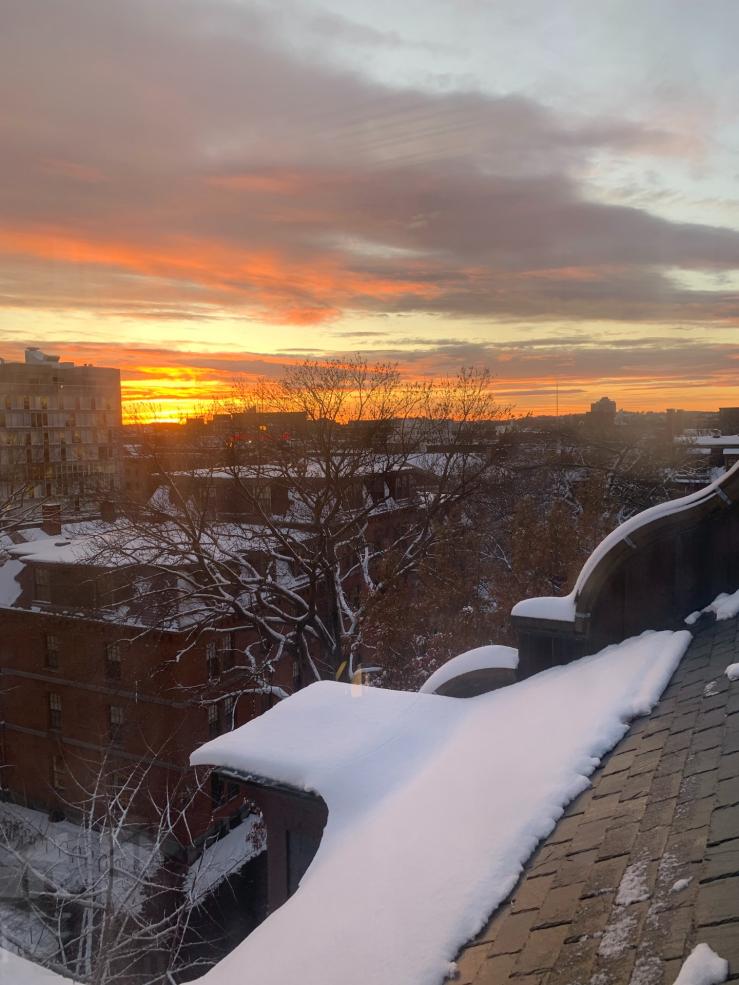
26,403
55,711
229,713
216,788
213,723
58,772
264,499
52,650
42,584
115,717
214,663
227,648
113,660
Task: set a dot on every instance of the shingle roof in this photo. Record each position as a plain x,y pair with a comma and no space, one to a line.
604,900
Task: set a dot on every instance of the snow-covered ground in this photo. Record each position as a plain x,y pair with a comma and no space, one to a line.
69,856
491,657
435,804
38,855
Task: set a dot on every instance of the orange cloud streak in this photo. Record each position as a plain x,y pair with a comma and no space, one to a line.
265,278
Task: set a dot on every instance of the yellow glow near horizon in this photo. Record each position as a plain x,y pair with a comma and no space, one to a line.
171,369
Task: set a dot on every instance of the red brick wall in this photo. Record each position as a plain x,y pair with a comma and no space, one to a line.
162,700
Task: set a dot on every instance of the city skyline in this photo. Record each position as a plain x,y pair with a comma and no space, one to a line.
210,190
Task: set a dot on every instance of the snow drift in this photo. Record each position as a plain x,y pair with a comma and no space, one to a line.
435,804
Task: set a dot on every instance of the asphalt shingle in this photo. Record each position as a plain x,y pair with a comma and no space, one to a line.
645,863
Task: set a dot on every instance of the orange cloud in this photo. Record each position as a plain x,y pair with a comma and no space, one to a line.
265,280
280,183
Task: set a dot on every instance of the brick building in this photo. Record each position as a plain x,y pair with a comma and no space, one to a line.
99,665
91,686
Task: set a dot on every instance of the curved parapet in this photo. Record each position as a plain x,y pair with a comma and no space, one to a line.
648,573
486,668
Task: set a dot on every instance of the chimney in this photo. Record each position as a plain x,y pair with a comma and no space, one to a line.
107,511
51,519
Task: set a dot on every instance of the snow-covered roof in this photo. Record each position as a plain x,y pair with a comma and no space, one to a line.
490,657
111,544
596,900
10,588
359,465
55,550
417,817
563,608
710,440
224,857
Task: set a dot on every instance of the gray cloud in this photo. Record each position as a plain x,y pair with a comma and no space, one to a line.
172,159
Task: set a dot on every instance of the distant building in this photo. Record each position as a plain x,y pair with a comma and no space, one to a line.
603,410
58,429
728,420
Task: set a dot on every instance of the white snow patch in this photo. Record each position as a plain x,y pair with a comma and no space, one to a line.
434,804
18,971
677,887
225,857
563,608
703,967
710,689
732,672
618,935
633,886
647,971
724,606
35,851
481,658
10,589
560,608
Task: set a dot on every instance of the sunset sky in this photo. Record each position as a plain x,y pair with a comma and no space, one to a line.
197,190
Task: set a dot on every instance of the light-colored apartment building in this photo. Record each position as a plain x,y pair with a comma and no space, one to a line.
59,427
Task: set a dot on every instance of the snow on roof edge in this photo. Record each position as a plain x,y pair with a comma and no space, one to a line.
564,608
490,657
407,786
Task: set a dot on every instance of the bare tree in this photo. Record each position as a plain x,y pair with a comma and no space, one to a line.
297,536
104,897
